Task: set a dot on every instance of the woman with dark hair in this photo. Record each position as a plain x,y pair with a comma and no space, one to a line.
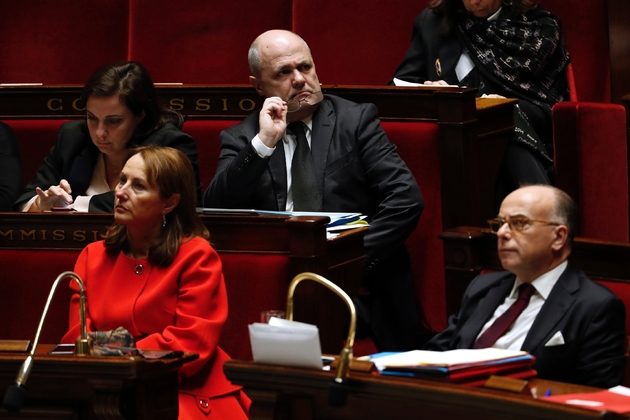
83,167
157,276
510,48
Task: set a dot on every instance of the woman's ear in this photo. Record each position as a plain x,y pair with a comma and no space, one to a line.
171,203
140,117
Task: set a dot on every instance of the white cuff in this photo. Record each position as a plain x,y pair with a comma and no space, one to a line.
261,149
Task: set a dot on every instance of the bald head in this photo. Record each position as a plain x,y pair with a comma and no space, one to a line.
551,202
535,236
266,43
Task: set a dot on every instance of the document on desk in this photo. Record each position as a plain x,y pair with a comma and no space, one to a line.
459,366
450,358
400,82
287,343
615,399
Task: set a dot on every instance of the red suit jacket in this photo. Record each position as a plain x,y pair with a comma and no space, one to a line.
180,307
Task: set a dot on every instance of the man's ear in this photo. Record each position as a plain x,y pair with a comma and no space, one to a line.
561,237
171,203
256,84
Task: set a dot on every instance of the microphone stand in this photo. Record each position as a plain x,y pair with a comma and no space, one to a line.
339,387
15,395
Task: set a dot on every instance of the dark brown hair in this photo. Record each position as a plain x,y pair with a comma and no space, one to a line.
448,9
132,82
171,172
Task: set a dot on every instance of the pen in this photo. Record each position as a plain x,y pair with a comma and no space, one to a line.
548,393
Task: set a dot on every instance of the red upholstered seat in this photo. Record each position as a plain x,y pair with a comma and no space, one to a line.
585,29
253,286
35,138
417,145
206,135
622,291
62,41
592,166
200,42
356,42
590,138
27,278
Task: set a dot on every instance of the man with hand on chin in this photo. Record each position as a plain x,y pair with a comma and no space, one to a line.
306,151
542,304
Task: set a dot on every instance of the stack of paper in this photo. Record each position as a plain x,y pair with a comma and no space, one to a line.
471,367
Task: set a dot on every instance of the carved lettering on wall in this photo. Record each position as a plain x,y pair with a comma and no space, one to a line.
176,104
202,105
247,104
52,104
77,105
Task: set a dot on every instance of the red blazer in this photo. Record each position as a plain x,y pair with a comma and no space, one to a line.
180,307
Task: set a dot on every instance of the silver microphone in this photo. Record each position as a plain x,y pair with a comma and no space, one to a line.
15,395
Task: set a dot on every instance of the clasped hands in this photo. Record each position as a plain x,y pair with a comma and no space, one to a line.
54,196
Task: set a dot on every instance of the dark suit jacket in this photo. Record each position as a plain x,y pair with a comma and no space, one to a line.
74,156
590,317
10,167
358,170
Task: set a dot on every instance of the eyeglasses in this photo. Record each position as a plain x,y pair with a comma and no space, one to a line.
516,223
312,99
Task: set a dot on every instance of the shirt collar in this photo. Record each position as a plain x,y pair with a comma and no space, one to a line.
544,283
495,16
308,120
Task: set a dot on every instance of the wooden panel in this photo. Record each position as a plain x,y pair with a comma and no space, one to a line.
279,392
302,239
473,132
93,387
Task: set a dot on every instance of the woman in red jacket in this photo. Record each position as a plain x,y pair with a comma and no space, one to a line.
157,276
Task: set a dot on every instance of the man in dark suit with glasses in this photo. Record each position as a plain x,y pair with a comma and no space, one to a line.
542,304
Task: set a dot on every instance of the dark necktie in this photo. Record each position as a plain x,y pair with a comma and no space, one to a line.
303,179
502,323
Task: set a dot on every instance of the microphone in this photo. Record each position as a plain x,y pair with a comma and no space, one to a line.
339,389
16,393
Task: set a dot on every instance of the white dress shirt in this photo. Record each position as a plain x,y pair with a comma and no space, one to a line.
515,336
289,142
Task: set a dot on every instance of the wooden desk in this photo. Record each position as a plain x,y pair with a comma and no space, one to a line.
90,387
302,239
473,132
279,392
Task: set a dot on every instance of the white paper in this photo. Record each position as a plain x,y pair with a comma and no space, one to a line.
622,390
444,358
399,82
284,342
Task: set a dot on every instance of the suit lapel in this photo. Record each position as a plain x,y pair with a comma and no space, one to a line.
560,299
484,311
323,127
